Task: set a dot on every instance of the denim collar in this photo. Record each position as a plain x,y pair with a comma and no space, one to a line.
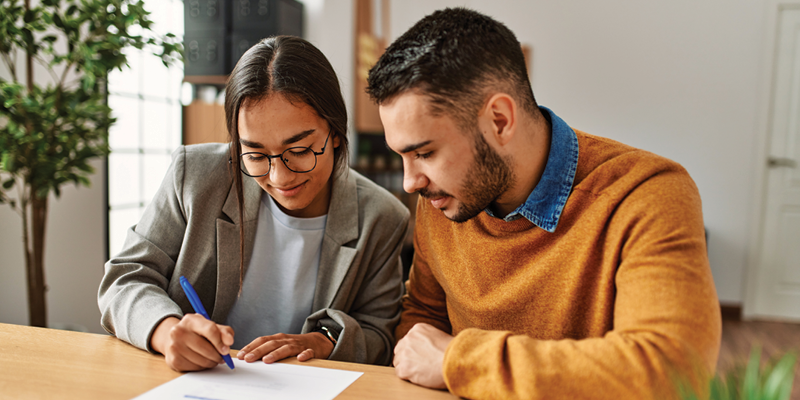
545,204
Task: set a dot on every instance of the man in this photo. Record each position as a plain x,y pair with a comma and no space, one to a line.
549,263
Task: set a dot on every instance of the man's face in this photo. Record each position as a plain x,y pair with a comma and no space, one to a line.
458,172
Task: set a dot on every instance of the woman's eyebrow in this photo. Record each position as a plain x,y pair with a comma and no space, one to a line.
298,137
253,145
293,139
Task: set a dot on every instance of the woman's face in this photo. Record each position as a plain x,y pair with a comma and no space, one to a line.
273,125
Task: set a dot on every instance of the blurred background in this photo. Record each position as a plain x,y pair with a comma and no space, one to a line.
713,85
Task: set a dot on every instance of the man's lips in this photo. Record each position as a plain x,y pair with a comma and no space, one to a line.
439,202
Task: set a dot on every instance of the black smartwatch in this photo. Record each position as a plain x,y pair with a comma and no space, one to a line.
331,335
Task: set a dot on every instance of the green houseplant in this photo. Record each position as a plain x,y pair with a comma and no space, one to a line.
53,125
771,381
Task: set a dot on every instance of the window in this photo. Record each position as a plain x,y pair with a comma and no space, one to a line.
145,100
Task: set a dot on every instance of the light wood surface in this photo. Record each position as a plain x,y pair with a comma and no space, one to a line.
37,363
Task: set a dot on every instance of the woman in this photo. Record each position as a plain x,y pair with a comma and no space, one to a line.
314,271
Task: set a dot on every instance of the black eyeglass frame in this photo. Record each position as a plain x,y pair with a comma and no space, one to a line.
296,148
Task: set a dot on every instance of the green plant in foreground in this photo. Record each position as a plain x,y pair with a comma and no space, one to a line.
772,382
54,124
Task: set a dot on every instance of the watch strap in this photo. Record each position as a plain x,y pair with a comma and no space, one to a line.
328,334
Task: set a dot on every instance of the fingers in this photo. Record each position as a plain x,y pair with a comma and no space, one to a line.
305,355
220,336
244,351
282,352
398,352
195,343
418,357
182,364
276,347
226,333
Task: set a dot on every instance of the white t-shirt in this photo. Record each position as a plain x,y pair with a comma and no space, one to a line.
281,278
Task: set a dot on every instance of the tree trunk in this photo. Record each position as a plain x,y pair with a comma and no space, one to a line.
34,259
34,255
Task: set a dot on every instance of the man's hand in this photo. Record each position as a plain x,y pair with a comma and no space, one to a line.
418,357
279,346
192,343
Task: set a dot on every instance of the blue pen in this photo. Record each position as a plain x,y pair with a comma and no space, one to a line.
198,308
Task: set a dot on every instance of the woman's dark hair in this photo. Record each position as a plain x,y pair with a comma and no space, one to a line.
455,56
294,68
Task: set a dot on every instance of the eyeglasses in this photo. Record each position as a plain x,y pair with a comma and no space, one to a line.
296,159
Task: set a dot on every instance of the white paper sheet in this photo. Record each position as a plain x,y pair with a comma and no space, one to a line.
256,381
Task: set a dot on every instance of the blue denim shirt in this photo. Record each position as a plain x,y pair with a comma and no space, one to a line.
546,202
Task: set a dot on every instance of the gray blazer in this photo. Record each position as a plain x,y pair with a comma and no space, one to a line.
191,228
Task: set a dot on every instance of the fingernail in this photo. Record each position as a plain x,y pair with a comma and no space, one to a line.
268,358
249,357
240,355
225,350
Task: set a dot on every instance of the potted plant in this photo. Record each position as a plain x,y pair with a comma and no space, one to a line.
53,125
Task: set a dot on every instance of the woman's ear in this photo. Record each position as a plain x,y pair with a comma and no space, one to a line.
336,141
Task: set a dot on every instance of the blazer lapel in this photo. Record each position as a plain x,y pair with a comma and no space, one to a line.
341,228
228,257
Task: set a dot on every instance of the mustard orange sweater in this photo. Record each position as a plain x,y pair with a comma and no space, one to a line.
617,303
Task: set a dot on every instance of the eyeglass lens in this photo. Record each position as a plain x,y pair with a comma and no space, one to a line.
296,159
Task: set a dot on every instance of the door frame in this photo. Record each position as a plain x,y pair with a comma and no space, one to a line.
763,126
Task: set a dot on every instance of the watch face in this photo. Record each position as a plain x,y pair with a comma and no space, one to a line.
332,336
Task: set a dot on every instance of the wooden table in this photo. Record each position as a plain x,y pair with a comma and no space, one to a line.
37,363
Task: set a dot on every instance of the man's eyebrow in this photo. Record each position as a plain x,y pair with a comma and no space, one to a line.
414,146
294,139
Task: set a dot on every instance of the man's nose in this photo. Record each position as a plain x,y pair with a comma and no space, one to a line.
413,179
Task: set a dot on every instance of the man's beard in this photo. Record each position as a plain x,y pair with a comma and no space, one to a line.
488,177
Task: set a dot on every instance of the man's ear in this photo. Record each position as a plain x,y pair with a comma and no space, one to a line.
501,114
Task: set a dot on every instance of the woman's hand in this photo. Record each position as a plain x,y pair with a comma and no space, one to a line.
279,346
192,343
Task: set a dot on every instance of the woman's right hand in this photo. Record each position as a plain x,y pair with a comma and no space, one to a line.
192,343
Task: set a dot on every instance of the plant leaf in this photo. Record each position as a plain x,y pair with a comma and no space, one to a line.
778,383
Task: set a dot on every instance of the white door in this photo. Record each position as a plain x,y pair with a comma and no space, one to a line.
777,292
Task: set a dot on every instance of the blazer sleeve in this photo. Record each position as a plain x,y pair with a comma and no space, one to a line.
133,295
367,326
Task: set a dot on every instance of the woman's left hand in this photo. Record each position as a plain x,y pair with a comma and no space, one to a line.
279,346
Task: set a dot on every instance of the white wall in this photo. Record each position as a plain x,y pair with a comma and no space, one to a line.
678,78
74,257
330,25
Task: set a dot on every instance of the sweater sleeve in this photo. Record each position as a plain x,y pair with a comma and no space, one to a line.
666,323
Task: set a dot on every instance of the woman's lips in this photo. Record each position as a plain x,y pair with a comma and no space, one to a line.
290,191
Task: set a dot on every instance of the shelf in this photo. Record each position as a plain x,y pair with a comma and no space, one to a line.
206,79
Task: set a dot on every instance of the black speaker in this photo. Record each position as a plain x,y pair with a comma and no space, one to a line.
201,15
271,17
206,42
218,32
206,52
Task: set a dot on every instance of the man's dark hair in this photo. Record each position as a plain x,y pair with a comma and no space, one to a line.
457,57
